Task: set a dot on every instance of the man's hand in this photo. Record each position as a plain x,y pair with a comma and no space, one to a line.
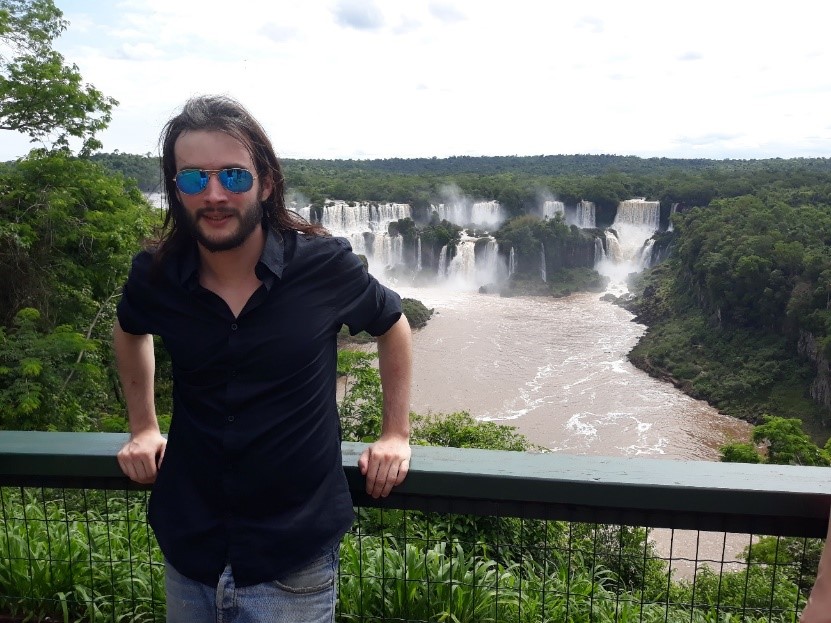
385,464
141,457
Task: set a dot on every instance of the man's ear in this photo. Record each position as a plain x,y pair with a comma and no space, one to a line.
266,190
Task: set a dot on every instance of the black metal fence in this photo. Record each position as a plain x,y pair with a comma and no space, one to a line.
471,536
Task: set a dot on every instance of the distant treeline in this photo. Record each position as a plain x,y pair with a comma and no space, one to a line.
521,183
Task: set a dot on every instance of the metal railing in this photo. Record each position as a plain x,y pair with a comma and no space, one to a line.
472,535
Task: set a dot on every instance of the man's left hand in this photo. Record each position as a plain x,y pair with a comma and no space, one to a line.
385,464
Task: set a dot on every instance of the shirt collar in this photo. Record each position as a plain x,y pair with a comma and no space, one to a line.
271,264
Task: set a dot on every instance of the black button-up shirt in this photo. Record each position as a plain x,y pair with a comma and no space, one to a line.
252,474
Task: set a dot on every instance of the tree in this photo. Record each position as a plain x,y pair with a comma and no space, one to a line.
40,95
787,442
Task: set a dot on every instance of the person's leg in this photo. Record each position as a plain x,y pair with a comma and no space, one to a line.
303,596
189,601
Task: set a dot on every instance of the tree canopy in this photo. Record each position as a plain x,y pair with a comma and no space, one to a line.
40,94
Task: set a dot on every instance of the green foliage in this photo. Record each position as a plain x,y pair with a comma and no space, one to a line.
568,251
78,565
362,407
740,453
796,558
40,95
68,230
754,591
416,312
787,443
145,170
442,582
743,371
45,384
461,430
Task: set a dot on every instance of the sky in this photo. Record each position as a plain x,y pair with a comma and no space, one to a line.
437,78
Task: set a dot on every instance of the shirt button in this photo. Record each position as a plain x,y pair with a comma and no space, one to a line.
230,418
234,327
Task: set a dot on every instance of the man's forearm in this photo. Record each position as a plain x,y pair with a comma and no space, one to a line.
395,367
136,365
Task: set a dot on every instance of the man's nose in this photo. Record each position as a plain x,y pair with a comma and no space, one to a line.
214,190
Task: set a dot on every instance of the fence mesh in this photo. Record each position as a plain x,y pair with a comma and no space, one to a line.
89,555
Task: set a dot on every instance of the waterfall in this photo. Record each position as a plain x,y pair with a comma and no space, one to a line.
306,213
365,225
482,213
418,256
488,263
599,253
543,274
585,216
341,218
628,241
551,208
613,250
672,211
442,272
645,256
487,214
388,250
511,263
639,212
462,267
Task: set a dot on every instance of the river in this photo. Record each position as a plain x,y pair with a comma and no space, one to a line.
556,369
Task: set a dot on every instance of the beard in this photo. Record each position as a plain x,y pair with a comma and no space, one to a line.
248,219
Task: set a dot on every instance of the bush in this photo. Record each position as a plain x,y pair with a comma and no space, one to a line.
416,312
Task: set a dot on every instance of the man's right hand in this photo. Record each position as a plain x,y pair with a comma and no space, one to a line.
141,457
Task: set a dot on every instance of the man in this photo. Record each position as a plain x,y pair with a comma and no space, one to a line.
249,500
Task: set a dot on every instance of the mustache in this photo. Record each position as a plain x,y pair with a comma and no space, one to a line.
216,212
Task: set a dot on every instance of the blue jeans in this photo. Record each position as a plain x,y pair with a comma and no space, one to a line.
303,596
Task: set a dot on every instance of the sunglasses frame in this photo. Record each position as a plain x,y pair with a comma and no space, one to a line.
216,172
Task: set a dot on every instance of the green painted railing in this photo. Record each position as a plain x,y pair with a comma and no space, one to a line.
759,499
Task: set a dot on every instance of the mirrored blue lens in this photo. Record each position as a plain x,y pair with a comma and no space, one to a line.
194,181
236,180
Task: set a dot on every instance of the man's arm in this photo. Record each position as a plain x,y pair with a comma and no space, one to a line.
140,457
386,462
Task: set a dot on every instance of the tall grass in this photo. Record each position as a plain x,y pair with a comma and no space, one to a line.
90,556
86,556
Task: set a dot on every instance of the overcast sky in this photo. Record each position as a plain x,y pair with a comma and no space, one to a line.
421,78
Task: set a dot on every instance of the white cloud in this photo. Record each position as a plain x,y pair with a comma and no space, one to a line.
446,12
344,78
358,14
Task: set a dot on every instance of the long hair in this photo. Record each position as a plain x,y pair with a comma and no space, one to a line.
219,113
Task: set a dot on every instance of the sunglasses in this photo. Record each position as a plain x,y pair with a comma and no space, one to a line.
194,181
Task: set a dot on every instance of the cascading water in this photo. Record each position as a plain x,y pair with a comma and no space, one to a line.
475,264
626,244
365,225
488,214
585,215
672,211
599,253
511,263
462,268
418,255
442,272
552,208
543,271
